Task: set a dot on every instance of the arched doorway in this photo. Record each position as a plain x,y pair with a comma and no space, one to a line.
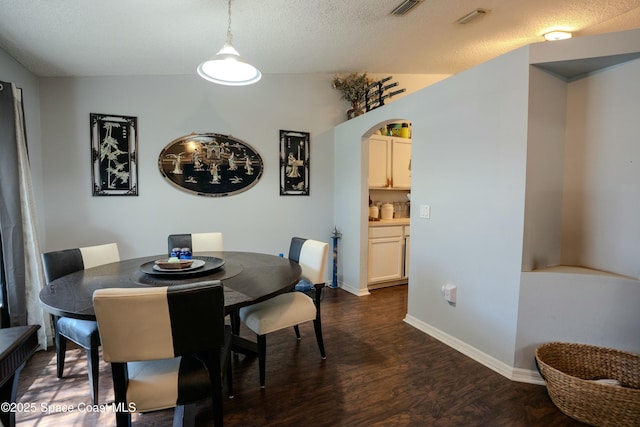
387,160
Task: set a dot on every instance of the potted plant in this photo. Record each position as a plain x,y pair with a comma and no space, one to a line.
353,87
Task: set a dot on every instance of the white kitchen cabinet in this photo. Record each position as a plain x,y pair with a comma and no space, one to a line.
379,165
389,162
401,163
388,255
406,250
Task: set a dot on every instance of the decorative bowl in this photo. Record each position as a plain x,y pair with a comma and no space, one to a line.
165,264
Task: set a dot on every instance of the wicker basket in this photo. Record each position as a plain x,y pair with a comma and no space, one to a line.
569,370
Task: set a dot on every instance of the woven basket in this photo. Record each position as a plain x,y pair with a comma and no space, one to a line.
569,370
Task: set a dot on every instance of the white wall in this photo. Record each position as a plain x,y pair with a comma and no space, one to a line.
601,228
545,170
470,168
168,107
563,305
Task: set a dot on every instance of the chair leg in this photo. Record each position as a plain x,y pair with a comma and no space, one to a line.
120,380
230,380
317,326
93,365
61,349
262,355
215,377
235,322
297,329
317,323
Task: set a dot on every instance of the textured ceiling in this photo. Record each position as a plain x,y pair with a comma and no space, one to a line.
129,37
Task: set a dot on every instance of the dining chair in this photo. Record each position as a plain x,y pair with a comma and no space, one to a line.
166,346
197,242
291,308
82,332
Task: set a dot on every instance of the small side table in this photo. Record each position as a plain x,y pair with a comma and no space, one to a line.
17,344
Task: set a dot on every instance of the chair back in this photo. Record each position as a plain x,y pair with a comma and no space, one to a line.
93,256
60,263
153,323
312,257
197,242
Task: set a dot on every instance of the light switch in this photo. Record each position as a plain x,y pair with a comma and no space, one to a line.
425,211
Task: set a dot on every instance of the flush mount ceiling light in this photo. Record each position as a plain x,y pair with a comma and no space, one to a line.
557,35
228,67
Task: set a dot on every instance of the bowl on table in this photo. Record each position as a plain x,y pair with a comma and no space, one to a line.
174,265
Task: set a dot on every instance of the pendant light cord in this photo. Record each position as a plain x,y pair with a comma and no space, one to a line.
229,37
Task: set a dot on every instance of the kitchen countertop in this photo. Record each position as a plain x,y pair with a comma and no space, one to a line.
385,222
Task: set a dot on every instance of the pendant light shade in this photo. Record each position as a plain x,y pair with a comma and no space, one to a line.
228,67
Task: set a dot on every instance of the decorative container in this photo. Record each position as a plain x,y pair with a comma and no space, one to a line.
571,372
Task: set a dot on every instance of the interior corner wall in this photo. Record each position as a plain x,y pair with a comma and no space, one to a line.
601,203
545,170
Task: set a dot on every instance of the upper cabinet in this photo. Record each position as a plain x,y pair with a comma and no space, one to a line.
389,162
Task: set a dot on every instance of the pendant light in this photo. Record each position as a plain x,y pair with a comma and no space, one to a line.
228,67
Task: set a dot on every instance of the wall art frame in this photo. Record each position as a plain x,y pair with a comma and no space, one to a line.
295,162
114,154
210,164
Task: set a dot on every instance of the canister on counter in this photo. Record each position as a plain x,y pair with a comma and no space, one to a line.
386,211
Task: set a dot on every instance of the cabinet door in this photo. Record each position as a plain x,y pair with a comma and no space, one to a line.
385,259
406,256
401,163
379,162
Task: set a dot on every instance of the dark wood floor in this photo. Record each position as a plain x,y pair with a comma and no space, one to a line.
379,371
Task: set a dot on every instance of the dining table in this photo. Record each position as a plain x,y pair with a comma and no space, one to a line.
246,277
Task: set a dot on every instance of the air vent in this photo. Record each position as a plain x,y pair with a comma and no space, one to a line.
471,16
404,7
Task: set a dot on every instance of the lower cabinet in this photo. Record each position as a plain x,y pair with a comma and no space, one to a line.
386,263
406,250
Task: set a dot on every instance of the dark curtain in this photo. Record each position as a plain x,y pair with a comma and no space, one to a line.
11,233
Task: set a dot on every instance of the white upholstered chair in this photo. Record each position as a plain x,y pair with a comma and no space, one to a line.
291,308
197,242
167,346
82,332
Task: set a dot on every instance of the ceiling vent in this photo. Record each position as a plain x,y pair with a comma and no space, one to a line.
471,16
404,7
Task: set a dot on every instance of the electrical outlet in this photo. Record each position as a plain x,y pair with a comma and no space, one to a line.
450,293
425,211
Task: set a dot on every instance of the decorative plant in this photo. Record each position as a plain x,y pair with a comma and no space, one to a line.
353,87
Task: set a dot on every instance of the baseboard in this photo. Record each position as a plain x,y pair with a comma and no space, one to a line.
352,290
514,374
527,376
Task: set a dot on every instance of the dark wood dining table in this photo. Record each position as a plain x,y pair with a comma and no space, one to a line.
247,278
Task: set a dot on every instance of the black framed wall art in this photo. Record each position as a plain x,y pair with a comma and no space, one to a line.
114,152
210,164
295,161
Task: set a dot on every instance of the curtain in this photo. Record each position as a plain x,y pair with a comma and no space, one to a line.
23,276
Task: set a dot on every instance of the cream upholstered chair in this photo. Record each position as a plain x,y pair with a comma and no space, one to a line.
291,308
197,242
82,332
166,346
